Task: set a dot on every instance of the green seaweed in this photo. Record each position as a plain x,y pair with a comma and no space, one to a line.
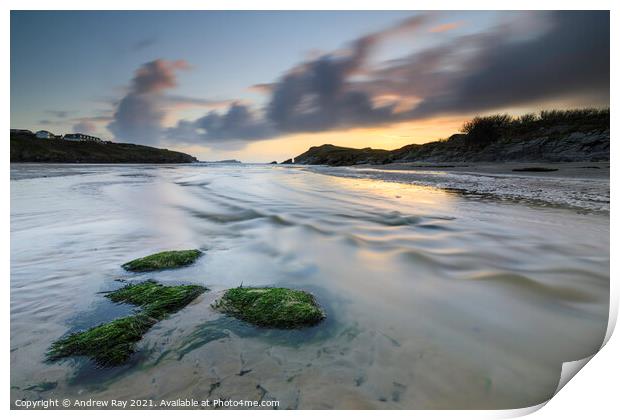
271,307
112,343
107,344
156,300
163,260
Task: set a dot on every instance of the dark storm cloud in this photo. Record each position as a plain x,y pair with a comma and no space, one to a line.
537,56
317,95
570,59
140,113
532,58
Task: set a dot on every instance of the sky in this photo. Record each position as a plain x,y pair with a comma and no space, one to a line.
263,86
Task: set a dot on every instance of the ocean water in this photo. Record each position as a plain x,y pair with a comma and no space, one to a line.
434,298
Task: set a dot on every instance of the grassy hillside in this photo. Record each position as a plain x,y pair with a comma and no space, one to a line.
27,148
550,136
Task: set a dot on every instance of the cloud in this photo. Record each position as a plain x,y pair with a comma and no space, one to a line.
527,59
95,119
317,95
139,115
445,27
80,124
179,101
261,88
60,114
570,58
313,96
143,44
85,127
532,58
49,122
230,130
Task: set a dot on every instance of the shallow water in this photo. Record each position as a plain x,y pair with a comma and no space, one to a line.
434,299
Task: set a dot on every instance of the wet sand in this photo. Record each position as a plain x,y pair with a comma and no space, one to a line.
580,170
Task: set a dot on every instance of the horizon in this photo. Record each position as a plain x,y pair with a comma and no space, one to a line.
460,131
384,80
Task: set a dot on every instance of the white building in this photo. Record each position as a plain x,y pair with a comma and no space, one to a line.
81,137
43,134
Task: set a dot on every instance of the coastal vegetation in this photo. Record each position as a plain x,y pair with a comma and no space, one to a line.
163,260
112,343
549,136
271,307
491,128
27,148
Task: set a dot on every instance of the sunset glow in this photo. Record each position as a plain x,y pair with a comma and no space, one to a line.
186,82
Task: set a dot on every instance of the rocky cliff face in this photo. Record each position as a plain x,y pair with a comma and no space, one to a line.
556,144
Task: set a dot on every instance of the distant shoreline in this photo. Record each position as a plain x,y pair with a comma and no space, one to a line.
29,149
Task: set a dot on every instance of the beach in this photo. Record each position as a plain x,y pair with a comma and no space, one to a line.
444,287
579,170
583,186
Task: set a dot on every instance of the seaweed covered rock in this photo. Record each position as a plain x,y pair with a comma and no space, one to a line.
107,344
156,300
271,307
163,260
112,343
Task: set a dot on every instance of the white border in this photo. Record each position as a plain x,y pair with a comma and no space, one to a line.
593,394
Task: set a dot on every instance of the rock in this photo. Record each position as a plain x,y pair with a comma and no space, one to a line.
535,169
287,162
112,343
558,136
328,154
271,307
568,147
163,261
274,163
